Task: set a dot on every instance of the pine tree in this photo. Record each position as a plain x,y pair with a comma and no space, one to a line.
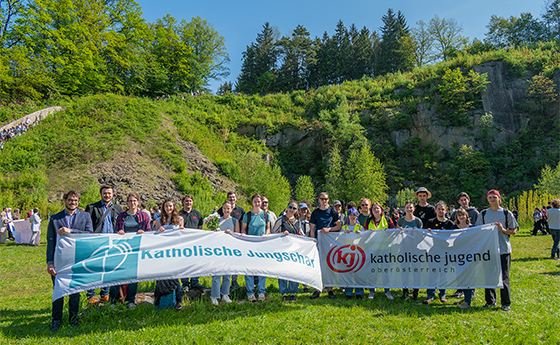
365,176
334,185
305,190
392,57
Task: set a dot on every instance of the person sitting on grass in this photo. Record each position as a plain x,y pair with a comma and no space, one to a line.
227,224
409,221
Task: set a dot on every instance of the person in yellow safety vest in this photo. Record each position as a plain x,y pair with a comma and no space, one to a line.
352,225
378,221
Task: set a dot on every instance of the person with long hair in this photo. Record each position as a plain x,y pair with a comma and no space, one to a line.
289,224
131,220
463,221
255,224
227,224
409,221
378,221
169,217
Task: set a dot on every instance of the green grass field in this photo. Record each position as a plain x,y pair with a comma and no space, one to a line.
25,306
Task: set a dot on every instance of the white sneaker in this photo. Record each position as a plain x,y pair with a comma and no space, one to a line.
226,299
251,298
214,301
371,295
389,295
261,297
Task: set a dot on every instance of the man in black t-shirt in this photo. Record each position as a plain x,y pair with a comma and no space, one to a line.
192,219
237,212
423,210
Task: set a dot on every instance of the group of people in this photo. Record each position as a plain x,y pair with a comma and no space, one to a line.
7,227
17,130
297,219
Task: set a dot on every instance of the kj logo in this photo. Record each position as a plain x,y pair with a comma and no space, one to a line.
105,259
346,258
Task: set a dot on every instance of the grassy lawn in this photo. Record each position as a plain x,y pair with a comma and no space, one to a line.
25,306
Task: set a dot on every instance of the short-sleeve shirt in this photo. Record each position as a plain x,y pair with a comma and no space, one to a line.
425,213
362,219
323,218
435,223
403,223
491,217
193,219
226,224
257,227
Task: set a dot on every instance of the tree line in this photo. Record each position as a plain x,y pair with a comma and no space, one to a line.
77,47
299,62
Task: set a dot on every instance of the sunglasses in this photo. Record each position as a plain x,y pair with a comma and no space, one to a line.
264,202
324,199
292,208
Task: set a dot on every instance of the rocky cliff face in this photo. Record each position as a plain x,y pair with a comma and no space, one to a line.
502,98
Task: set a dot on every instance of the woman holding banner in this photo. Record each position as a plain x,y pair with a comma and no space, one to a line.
289,224
378,221
170,220
462,221
409,221
255,223
131,220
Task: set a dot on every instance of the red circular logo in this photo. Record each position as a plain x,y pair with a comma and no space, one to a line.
346,258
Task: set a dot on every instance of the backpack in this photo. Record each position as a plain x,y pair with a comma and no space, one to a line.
249,219
483,213
165,294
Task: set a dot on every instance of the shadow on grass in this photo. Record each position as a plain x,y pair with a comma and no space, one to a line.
531,259
20,324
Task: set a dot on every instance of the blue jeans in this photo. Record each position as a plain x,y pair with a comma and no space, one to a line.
250,285
104,291
130,293
226,280
432,293
359,291
556,237
287,286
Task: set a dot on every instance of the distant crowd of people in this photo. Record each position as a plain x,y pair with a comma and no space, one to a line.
7,231
17,130
297,219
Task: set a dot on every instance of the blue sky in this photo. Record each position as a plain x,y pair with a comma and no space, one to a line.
240,21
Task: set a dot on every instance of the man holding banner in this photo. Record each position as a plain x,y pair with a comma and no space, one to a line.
69,220
505,221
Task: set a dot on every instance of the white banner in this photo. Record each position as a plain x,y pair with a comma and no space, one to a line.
412,258
84,262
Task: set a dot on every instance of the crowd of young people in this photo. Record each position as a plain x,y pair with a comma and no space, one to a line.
297,219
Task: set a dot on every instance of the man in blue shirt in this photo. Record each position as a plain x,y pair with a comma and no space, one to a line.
323,219
69,220
103,217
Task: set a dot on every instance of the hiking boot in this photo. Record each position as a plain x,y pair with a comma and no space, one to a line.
464,305
262,297
214,301
251,298
284,298
292,298
371,295
104,299
506,308
389,295
55,325
489,305
226,299
93,300
315,294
